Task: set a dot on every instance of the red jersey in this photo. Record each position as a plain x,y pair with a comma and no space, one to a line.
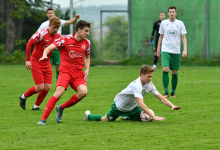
41,39
72,52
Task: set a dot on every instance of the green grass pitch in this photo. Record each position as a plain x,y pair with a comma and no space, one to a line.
195,126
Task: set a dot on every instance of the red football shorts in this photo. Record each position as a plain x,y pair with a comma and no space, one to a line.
42,74
74,80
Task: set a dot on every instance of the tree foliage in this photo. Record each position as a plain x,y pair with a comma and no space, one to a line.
115,43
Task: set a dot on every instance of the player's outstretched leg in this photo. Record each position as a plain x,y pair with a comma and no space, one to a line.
86,115
59,114
93,117
22,101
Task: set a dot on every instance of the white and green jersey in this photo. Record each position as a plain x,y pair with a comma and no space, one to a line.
45,25
172,32
125,100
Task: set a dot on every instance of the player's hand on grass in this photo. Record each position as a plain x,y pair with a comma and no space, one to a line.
158,118
77,16
43,58
176,108
86,75
28,65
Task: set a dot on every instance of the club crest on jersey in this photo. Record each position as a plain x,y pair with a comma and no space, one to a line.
83,47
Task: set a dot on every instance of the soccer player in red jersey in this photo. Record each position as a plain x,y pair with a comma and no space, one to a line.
41,70
74,50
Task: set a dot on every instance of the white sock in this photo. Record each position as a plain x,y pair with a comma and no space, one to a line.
22,96
35,106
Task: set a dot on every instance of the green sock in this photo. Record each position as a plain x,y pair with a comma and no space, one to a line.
174,82
95,117
165,81
57,74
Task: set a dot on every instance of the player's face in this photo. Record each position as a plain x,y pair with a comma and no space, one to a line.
84,32
162,16
147,77
50,13
53,30
172,13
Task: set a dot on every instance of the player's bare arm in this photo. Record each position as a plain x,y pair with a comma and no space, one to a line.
167,102
142,105
87,65
68,22
46,52
159,45
184,54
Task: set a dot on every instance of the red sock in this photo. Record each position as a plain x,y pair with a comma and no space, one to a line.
41,97
30,92
49,107
72,101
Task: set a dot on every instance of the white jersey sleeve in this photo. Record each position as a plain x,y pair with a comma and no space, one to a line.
154,90
182,28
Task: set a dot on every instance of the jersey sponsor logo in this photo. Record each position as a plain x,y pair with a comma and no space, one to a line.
171,32
143,92
83,47
72,54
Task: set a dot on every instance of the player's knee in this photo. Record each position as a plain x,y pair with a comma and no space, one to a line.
47,87
82,91
59,92
174,71
57,67
104,118
39,87
166,69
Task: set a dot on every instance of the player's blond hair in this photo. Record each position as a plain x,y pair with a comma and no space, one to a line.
55,21
145,69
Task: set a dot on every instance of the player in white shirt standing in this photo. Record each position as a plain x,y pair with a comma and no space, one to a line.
125,102
171,31
55,58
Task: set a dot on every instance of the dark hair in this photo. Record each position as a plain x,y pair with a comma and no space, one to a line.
55,21
81,24
48,9
171,7
145,69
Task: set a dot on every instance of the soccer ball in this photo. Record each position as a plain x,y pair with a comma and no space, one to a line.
145,117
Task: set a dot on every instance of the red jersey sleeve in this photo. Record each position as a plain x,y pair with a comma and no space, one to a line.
28,48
